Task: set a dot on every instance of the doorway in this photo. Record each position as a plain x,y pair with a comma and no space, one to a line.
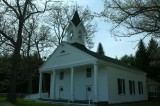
88,91
61,90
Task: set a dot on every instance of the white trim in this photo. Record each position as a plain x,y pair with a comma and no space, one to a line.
95,81
40,84
123,67
70,65
72,83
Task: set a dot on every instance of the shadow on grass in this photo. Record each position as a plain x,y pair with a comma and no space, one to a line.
21,102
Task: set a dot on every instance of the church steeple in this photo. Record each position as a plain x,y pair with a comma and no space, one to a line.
76,31
76,20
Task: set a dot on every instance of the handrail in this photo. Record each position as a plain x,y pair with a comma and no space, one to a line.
89,99
69,99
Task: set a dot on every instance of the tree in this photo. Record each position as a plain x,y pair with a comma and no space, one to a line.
153,51
139,16
130,60
100,49
59,19
13,17
38,38
141,58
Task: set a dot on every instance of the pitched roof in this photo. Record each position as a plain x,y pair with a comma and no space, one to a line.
102,57
76,20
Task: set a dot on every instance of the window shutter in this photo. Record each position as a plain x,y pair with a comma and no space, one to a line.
130,86
124,86
133,87
139,88
119,86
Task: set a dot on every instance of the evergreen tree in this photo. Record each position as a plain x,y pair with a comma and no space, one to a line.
100,49
152,52
141,58
130,60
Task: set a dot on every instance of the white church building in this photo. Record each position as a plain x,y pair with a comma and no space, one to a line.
78,74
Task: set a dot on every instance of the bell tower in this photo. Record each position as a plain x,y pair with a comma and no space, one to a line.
76,31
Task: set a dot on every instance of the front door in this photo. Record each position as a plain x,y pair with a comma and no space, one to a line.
88,92
61,92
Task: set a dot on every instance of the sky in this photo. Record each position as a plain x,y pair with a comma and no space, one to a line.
113,47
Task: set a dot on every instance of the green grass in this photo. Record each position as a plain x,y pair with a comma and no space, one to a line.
21,102
2,99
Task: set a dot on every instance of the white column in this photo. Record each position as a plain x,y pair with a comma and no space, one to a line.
72,78
52,85
95,81
40,84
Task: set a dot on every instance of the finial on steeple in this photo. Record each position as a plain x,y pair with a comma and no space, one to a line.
76,6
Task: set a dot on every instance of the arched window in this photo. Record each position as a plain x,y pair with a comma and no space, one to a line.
80,34
71,34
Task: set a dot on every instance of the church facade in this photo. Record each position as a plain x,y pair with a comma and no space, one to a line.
78,74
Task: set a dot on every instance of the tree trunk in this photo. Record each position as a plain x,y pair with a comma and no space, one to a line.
12,87
11,97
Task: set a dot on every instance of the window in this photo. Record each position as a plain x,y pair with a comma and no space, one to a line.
140,87
80,34
61,77
131,87
121,86
63,51
88,88
61,89
88,72
71,34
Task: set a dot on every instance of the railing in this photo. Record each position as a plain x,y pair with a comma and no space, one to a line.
89,99
32,96
36,96
69,99
153,94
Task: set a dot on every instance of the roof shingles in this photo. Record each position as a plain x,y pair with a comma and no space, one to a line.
102,57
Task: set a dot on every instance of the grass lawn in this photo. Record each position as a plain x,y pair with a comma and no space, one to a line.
2,99
21,102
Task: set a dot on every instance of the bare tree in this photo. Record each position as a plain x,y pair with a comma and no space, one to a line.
136,16
61,15
15,14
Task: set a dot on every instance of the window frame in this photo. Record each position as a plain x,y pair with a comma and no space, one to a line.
132,87
88,72
121,86
61,75
140,87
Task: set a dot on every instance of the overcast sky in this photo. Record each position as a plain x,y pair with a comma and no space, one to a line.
112,47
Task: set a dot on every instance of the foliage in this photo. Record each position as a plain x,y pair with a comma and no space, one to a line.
146,59
141,58
153,53
130,60
13,16
100,49
136,16
2,99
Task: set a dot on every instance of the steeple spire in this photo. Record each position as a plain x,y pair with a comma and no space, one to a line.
76,19
76,31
